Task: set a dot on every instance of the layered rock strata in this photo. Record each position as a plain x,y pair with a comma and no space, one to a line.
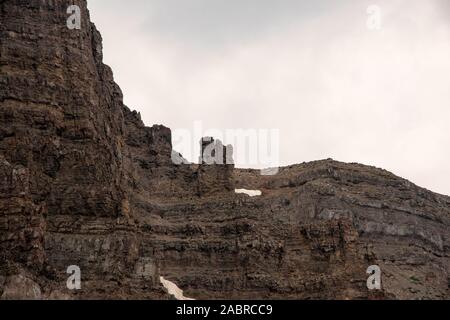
85,183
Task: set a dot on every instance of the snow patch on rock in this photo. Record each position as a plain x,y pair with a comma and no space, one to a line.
251,193
173,289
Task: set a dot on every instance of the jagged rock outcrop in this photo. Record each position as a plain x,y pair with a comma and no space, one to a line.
215,172
84,182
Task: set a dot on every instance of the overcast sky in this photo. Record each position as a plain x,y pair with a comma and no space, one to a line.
312,69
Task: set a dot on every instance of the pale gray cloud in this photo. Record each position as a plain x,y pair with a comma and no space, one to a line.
310,68
216,20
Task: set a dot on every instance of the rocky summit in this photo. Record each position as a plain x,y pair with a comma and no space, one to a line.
86,187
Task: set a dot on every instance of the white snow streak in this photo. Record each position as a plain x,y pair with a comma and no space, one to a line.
173,289
251,193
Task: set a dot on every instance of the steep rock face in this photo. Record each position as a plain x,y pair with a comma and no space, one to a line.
84,182
398,226
62,147
61,111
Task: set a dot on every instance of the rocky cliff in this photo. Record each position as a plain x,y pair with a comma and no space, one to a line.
84,182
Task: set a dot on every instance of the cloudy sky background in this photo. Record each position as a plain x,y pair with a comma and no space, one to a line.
312,69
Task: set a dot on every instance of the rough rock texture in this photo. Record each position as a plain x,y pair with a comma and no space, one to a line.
84,182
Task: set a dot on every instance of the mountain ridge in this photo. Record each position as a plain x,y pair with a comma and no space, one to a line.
86,183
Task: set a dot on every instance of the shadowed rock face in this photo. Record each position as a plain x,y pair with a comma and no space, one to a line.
84,182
